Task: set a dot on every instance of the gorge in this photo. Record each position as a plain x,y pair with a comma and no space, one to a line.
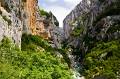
33,46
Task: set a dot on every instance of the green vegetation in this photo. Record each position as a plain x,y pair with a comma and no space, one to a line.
103,60
35,61
77,31
44,13
31,41
8,20
114,28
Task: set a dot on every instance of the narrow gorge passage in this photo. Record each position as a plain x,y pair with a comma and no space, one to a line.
59,39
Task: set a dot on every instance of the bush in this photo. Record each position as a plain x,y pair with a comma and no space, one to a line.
44,13
27,64
103,60
29,40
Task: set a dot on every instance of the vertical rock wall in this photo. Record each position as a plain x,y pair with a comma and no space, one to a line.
30,8
92,21
11,20
23,16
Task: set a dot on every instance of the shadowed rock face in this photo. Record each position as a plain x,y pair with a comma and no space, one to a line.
96,17
91,12
92,21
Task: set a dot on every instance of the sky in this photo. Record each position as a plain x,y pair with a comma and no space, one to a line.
60,8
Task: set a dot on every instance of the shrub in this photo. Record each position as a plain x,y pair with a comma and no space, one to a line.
103,60
28,40
41,64
44,13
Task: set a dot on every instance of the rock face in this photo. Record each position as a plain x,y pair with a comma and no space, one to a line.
92,21
17,17
56,32
11,20
23,16
69,21
31,8
46,26
41,30
57,37
43,27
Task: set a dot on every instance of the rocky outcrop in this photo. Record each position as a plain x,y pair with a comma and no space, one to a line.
40,30
11,20
43,27
71,19
46,25
18,17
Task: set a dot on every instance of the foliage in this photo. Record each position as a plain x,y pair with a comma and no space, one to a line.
103,60
77,31
44,13
31,41
114,28
8,20
32,63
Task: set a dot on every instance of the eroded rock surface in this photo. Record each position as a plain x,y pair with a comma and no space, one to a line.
93,19
11,20
89,22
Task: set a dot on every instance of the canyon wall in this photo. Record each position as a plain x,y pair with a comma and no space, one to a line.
31,8
11,20
93,20
89,22
23,16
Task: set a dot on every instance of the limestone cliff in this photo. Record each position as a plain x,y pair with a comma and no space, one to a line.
94,20
11,20
89,22
17,17
23,16
30,8
46,24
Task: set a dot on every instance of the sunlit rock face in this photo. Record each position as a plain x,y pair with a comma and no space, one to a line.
11,20
17,17
31,8
43,26
46,25
23,16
